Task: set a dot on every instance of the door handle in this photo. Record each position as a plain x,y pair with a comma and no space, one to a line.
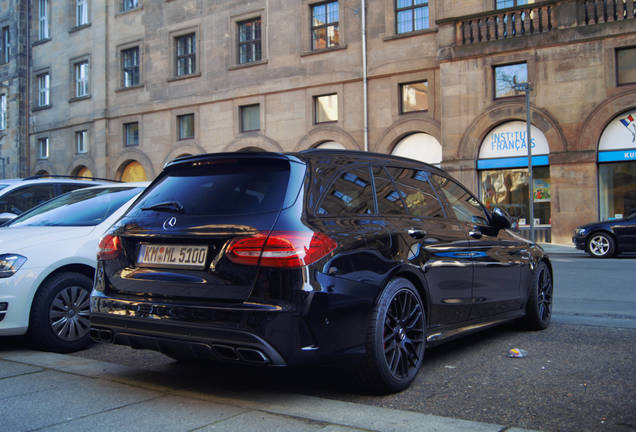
417,233
476,234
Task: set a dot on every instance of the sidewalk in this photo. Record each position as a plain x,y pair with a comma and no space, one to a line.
559,249
54,392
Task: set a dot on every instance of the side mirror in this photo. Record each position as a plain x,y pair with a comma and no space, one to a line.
501,219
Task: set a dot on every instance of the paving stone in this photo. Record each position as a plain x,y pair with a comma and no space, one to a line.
11,369
260,421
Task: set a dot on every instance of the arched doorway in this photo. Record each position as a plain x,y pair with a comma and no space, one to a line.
617,167
503,174
82,171
133,172
331,145
420,146
251,149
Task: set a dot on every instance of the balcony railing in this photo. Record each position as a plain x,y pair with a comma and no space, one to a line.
540,17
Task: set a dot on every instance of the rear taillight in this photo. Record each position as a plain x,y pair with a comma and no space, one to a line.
109,247
280,249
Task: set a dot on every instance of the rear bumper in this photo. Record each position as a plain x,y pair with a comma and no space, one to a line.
252,334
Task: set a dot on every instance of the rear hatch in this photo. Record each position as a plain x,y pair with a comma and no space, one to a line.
176,237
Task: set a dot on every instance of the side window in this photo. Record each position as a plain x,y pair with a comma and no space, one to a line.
67,187
21,200
464,204
418,193
350,194
389,200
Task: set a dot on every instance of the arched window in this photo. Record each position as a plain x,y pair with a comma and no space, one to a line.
420,146
133,172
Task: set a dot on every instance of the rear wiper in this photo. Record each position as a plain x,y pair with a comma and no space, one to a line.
174,206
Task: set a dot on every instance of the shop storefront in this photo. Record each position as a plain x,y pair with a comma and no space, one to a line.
420,146
617,167
503,175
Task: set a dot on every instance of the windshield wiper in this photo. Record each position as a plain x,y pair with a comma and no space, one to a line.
174,206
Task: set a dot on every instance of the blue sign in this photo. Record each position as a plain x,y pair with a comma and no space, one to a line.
512,162
617,155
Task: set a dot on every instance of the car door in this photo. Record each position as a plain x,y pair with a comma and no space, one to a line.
426,239
497,255
625,231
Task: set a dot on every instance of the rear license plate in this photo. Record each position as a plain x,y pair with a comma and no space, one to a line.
180,256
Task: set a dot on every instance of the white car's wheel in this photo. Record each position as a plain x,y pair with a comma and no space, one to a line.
60,313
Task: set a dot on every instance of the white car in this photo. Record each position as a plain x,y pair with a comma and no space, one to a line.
47,263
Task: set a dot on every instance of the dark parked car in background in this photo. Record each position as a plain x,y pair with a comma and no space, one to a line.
607,238
318,256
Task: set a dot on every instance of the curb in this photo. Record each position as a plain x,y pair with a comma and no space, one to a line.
323,414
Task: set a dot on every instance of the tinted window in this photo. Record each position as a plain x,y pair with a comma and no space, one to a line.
418,193
221,187
389,201
25,198
350,194
83,207
67,187
464,204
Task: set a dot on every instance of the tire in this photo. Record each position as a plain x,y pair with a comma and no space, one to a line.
601,245
396,339
59,319
539,305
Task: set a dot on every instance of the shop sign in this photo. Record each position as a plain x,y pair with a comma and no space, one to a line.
509,140
620,134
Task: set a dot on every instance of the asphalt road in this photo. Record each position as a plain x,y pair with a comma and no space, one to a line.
579,374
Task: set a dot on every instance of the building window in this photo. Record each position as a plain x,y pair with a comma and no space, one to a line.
130,67
326,108
44,89
249,41
131,134
414,97
3,112
626,65
324,25
81,141
127,5
5,48
503,4
185,47
43,146
80,76
250,118
411,15
185,125
506,76
81,12
43,19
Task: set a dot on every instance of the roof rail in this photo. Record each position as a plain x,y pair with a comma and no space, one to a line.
39,176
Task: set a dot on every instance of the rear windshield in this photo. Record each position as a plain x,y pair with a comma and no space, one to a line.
218,187
82,207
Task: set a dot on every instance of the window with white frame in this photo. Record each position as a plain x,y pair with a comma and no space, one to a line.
5,48
80,75
127,5
3,111
411,15
43,146
81,141
44,89
325,29
81,12
43,19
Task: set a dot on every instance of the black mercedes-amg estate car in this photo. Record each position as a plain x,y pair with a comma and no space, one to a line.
318,256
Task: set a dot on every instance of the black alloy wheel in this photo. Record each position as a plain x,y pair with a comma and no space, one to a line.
396,338
539,307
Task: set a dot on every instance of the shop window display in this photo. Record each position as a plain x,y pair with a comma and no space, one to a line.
617,189
508,188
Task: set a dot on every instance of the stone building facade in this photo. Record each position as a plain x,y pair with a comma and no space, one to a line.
133,84
14,155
